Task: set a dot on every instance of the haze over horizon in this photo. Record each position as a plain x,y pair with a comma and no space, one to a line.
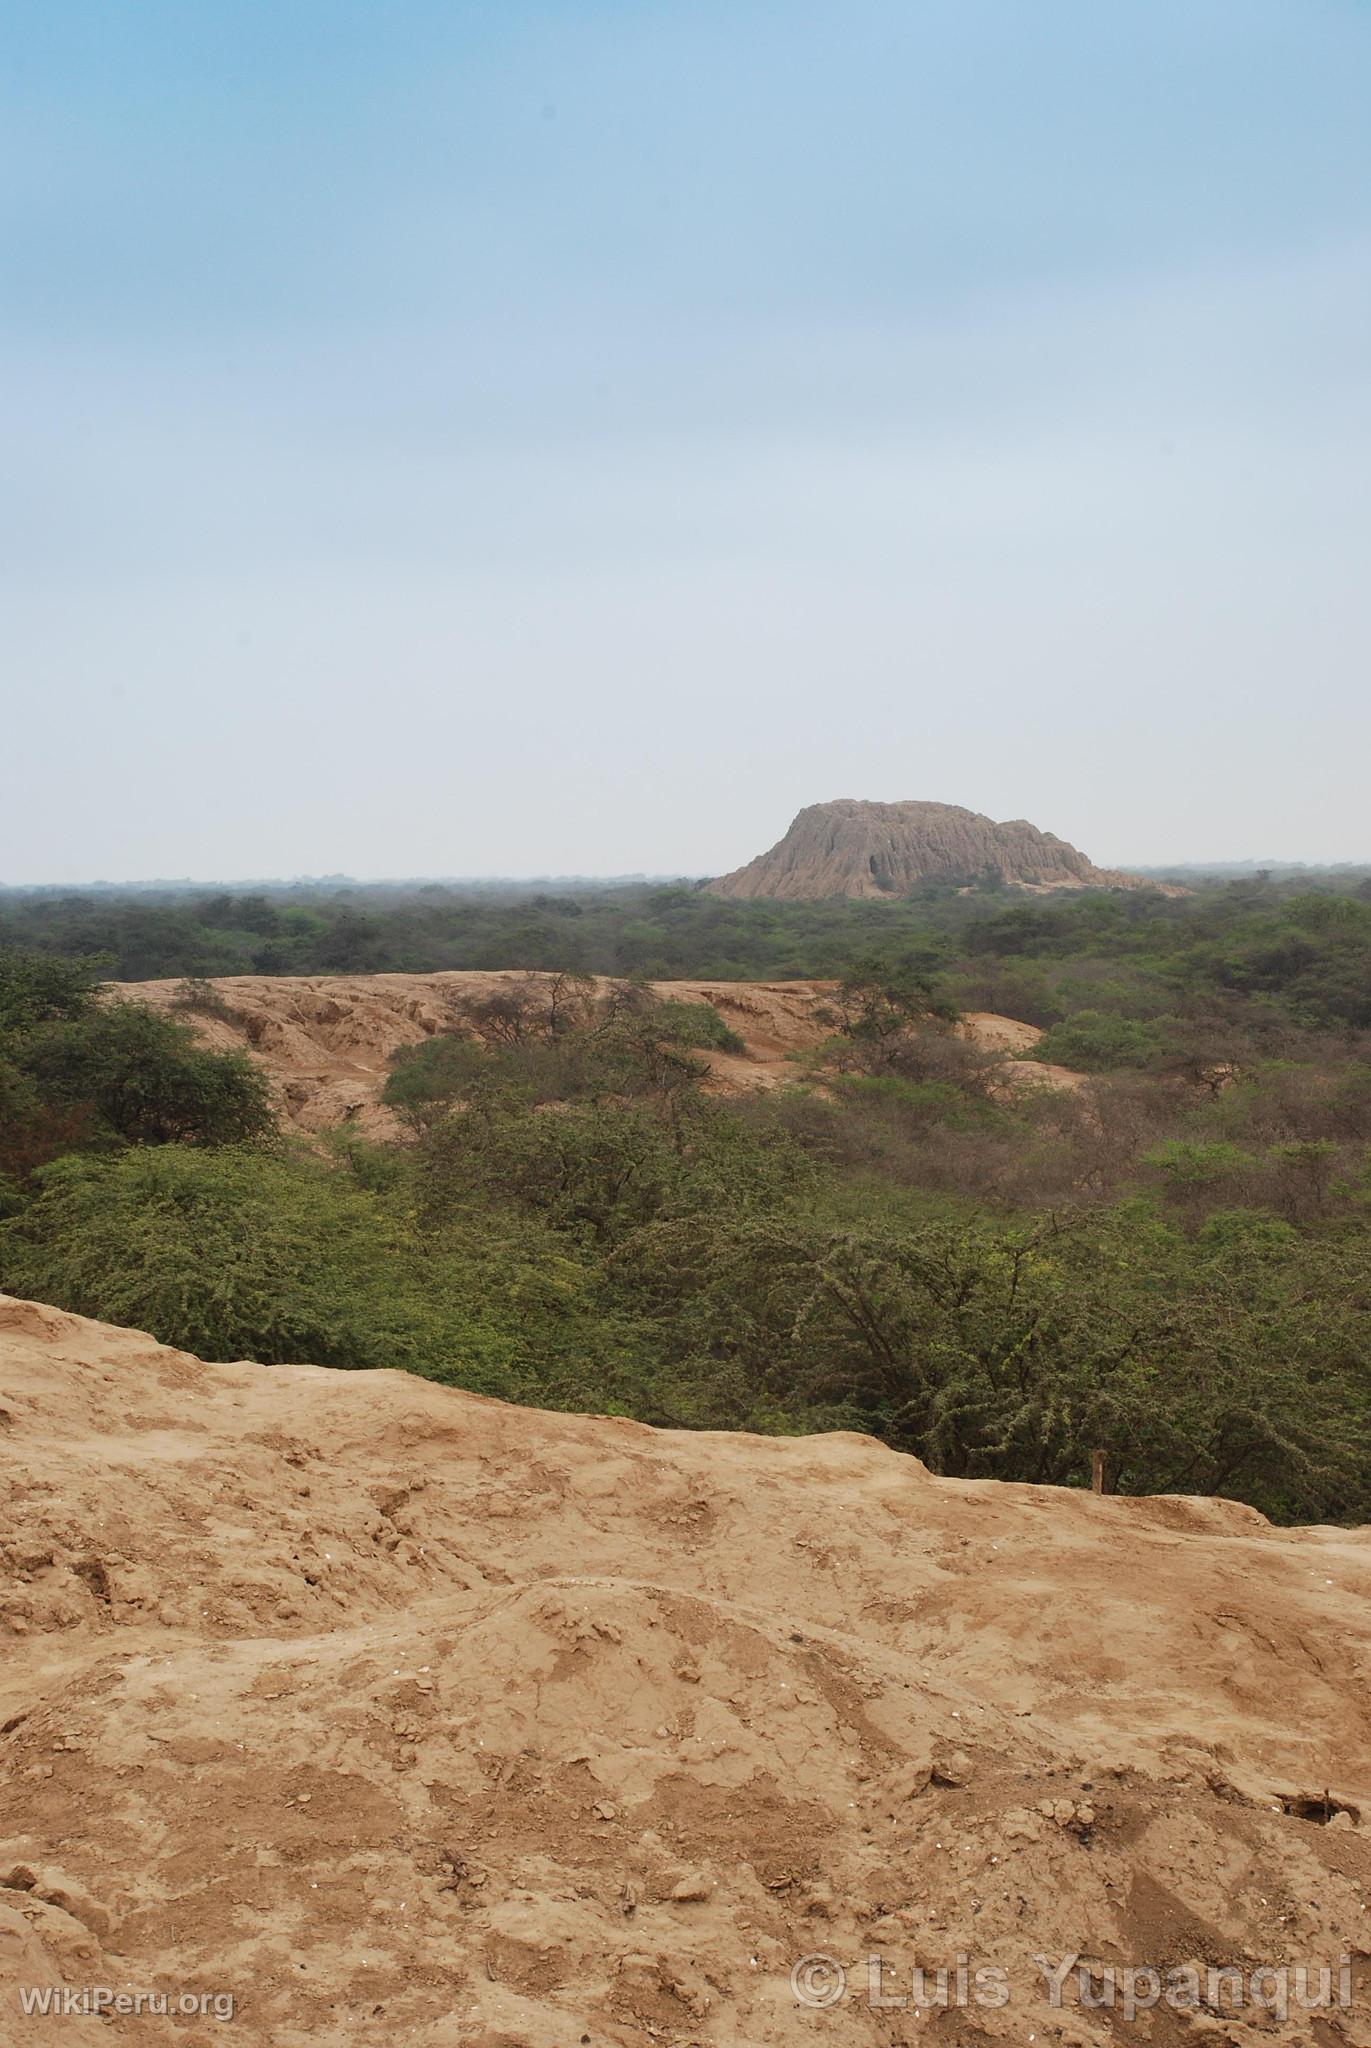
236,878
538,441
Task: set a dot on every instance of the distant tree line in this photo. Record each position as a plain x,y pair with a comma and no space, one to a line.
1259,954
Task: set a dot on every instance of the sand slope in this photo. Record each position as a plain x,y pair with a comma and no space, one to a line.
407,1717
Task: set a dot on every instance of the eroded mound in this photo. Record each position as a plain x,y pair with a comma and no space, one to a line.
854,848
327,1040
398,1715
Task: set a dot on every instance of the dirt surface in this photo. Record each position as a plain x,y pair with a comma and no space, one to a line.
400,1716
326,1040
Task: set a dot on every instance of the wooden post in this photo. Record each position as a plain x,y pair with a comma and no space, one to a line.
1097,1472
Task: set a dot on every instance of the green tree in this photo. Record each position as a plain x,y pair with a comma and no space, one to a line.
145,1080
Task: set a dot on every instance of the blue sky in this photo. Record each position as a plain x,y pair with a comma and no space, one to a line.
468,438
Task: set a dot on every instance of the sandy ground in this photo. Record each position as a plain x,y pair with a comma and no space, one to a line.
326,1040
404,1717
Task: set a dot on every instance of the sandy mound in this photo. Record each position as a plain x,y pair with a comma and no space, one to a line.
1006,1035
882,851
401,1716
326,1040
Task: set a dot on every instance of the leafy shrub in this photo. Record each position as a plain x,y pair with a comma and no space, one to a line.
1016,1353
145,1080
426,1079
77,1072
697,1025
1094,1042
41,988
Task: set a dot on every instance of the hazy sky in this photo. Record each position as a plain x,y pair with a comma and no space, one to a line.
461,438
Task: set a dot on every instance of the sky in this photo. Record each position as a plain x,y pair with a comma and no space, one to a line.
448,439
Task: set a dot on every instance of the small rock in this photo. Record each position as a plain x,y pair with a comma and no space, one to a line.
908,1781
